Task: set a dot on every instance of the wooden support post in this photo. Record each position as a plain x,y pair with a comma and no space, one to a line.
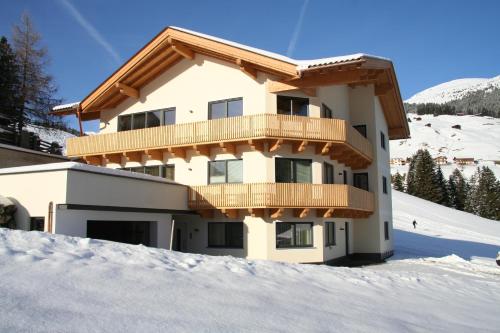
227,147
202,150
177,152
277,213
325,213
276,145
256,212
127,91
300,212
323,148
299,147
256,145
79,116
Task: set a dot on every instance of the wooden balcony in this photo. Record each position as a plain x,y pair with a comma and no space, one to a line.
329,200
334,137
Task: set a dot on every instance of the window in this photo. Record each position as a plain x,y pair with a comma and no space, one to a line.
290,170
225,108
289,235
386,230
384,184
360,180
382,140
146,119
293,106
225,234
165,171
345,177
330,234
361,129
37,223
328,174
326,112
226,171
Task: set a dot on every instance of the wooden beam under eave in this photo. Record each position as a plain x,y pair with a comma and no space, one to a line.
206,213
133,156
256,212
247,69
201,150
323,149
324,213
382,89
181,49
230,213
276,145
93,160
301,212
154,154
127,91
177,152
311,92
256,145
277,213
299,147
277,86
227,147
113,158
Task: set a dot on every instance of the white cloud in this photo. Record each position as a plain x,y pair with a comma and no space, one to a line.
91,30
298,28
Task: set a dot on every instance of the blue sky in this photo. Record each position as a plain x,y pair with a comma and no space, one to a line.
430,42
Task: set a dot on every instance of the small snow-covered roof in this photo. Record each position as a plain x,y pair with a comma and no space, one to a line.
65,106
82,167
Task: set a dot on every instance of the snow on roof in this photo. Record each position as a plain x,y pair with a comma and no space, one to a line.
81,167
65,106
301,64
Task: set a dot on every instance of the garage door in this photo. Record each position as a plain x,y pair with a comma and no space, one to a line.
131,232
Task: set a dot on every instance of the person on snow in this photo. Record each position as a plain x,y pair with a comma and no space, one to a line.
414,224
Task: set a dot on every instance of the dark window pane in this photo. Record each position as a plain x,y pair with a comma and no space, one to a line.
360,180
125,123
382,140
283,170
217,172
235,108
361,129
300,107
329,233
217,110
139,120
153,118
303,172
152,170
284,105
328,174
384,184
283,235
169,172
169,116
326,112
216,234
235,171
303,234
137,169
386,230
37,224
234,235
345,177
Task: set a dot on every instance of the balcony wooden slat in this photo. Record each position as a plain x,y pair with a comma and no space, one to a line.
280,195
235,129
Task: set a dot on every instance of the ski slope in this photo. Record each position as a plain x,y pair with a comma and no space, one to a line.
453,90
479,137
442,279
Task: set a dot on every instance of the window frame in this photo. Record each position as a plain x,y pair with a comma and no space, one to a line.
386,230
327,165
328,241
382,140
294,227
161,173
384,185
226,107
354,174
226,224
225,170
294,169
292,98
146,115
324,110
362,129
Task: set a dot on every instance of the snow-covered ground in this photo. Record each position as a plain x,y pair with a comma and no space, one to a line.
442,279
50,134
453,90
479,138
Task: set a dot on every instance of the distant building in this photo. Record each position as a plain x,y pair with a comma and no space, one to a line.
441,160
464,160
398,161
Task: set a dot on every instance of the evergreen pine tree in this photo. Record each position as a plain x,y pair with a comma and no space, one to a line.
425,177
487,194
410,178
442,193
457,186
9,84
397,182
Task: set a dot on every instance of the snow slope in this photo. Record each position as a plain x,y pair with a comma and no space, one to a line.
443,279
478,138
50,134
453,90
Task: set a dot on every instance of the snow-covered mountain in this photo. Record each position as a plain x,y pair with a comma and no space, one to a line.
479,138
454,90
443,278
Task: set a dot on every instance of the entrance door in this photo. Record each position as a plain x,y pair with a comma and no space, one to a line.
346,238
178,239
131,232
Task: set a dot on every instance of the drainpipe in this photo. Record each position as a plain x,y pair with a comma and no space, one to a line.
172,235
50,217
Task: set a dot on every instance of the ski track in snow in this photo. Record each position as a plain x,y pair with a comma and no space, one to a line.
443,278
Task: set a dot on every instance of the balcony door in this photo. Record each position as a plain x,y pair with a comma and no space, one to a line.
292,106
289,170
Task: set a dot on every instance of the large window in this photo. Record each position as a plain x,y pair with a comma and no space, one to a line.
294,106
328,174
289,235
360,180
225,234
226,171
290,170
225,108
146,119
330,239
165,171
361,129
326,112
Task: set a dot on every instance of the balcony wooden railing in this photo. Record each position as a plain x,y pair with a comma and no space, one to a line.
237,129
281,195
